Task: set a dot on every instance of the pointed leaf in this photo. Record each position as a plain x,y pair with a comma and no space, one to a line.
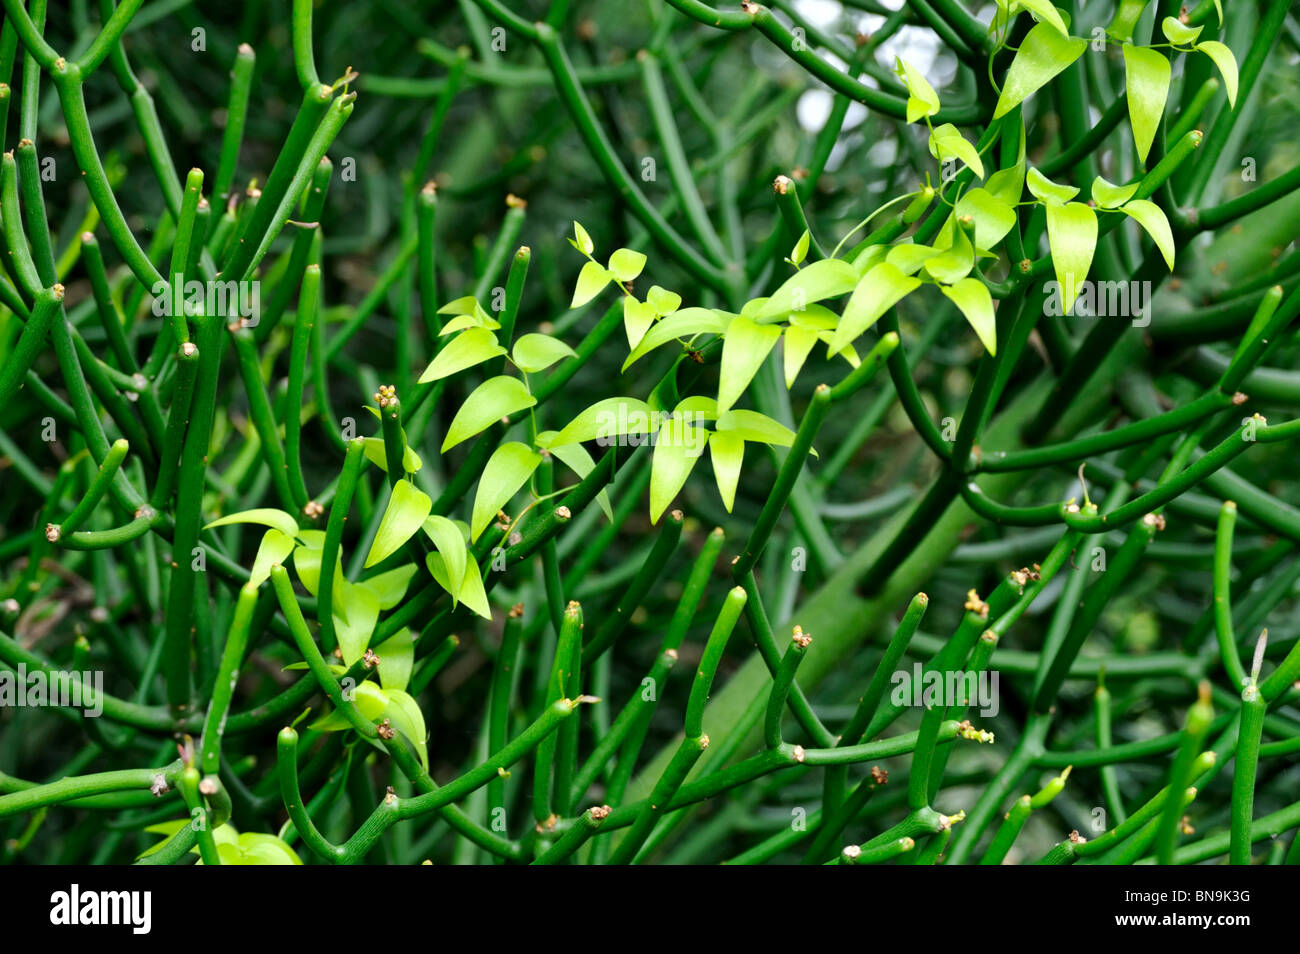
356,623
1043,54
266,516
800,251
390,586
1150,216
878,291
591,282
744,348
491,401
956,261
1179,33
404,714
273,550
1146,73
993,216
537,352
684,324
799,343
1046,12
674,456
922,100
1227,64
753,426
727,449
374,451
506,471
975,302
1107,195
1047,191
626,264
607,419
638,316
407,507
820,280
396,658
449,540
947,142
1072,236
470,347
470,590
662,300
582,240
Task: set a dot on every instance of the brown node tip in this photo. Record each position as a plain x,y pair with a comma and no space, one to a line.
313,509
57,289
208,786
514,202
385,730
852,852
976,605
801,639
1076,838
189,349
563,512
429,188
87,238
1026,266
573,607
749,7
245,49
879,776
862,39
781,185
677,515
52,532
799,753
599,812
516,611
370,659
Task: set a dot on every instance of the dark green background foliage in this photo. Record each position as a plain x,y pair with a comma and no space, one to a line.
1062,502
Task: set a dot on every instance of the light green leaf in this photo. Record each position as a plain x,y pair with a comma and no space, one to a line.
537,352
581,240
256,848
1107,195
466,305
753,426
820,280
1072,236
492,400
1047,191
357,612
506,471
878,291
576,458
306,560
1046,12
675,454
799,343
1007,185
638,316
266,516
946,142
800,251
909,257
685,323
449,540
956,261
396,658
1227,64
591,282
404,714
612,417
1043,54
1179,33
993,216
1150,216
662,300
390,586
464,322
975,302
407,507
744,348
922,100
817,317
470,347
371,703
727,449
1127,14
626,264
1146,73
273,550
470,591
373,447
